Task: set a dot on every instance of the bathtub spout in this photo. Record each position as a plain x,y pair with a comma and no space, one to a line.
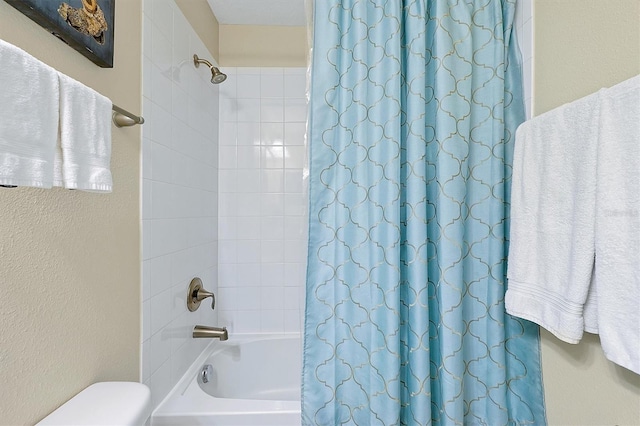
203,331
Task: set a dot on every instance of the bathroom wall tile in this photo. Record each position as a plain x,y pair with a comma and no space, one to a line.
248,252
248,228
295,110
272,274
146,320
272,84
294,134
294,273
248,70
179,104
147,239
272,157
229,88
293,183
248,157
227,298
272,180
295,85
272,204
229,110
227,273
248,110
249,274
228,204
160,274
159,350
162,14
160,305
147,72
180,43
272,71
248,180
292,321
248,133
180,362
248,86
160,383
272,298
228,133
160,48
295,204
291,298
294,157
228,157
271,227
248,298
145,356
146,204
295,228
272,321
160,123
246,321
271,110
273,251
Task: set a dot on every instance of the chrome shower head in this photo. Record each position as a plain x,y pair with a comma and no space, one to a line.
217,76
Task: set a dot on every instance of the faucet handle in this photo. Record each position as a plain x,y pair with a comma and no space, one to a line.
197,293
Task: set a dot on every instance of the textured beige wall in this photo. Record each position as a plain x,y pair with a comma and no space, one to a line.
580,47
70,260
263,46
204,22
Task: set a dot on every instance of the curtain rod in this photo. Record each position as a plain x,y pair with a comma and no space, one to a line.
123,118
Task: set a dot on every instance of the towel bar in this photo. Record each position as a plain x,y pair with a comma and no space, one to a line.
123,118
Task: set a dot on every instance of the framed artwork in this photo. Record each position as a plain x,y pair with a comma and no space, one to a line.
85,25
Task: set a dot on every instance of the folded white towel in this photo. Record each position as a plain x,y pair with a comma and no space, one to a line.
28,118
85,138
617,235
552,217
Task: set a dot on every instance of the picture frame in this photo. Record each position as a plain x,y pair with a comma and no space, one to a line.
85,25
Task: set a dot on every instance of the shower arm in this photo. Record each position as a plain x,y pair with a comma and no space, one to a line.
197,61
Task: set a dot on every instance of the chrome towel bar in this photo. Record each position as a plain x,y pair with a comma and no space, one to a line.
123,118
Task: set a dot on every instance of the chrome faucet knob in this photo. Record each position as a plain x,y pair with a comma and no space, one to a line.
197,293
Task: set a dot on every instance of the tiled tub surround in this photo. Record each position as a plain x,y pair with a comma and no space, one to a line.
262,202
179,194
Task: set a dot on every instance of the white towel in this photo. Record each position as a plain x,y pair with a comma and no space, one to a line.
85,138
553,216
574,257
617,234
28,118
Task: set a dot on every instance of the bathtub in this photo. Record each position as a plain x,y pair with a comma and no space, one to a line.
253,380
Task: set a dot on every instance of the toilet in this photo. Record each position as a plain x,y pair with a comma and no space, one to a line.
105,403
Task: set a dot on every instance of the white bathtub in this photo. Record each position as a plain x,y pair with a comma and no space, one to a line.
255,381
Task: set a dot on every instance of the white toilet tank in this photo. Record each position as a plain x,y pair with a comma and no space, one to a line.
105,403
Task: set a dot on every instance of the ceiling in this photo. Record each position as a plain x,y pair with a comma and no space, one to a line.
259,12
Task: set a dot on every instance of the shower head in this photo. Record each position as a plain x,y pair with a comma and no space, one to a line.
217,76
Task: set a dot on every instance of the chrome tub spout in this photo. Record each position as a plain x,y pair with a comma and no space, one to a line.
203,331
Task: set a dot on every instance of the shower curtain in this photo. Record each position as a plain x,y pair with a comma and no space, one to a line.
413,109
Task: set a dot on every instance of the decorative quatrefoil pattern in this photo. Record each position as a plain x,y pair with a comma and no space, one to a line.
414,105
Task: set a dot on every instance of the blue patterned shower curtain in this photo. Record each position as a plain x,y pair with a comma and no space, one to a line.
414,105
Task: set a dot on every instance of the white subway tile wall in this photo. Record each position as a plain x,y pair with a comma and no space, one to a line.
262,201
179,194
524,31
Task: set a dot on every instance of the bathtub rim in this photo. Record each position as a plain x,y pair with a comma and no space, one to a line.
186,398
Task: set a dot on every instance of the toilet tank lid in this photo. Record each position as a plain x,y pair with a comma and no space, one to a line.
105,403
